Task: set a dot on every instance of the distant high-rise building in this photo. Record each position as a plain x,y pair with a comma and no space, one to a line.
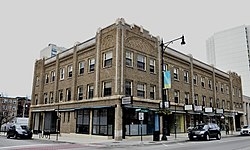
50,51
229,50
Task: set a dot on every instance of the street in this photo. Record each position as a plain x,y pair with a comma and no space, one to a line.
31,144
229,143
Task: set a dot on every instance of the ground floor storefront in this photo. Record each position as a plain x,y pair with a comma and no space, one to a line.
118,121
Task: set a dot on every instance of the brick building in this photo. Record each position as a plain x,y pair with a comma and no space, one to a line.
81,89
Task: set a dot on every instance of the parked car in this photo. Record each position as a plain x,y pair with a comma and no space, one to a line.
205,131
19,131
245,130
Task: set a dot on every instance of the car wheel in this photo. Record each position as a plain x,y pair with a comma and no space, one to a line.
8,136
15,136
191,139
218,137
207,137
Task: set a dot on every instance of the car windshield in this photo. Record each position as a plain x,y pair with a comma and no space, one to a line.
24,127
245,127
200,127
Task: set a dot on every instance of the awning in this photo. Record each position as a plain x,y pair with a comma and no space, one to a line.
93,107
178,111
43,110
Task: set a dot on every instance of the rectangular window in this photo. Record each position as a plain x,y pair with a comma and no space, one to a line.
128,88
70,70
186,76
61,73
186,98
217,103
210,84
203,100
51,97
68,94
107,89
92,65
141,62
107,59
176,96
152,92
196,100
64,116
80,92
176,73
211,102
239,93
227,89
129,59
36,99
165,67
45,98
68,116
152,65
222,88
203,82
46,78
223,104
60,92
53,75
37,80
195,78
90,91
81,67
141,90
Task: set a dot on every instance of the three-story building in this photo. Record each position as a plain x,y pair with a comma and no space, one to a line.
99,86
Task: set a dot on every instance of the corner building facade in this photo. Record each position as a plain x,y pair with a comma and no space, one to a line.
81,89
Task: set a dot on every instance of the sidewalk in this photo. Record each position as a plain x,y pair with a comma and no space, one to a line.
129,141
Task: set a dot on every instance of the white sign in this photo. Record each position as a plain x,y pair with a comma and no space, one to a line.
126,100
219,111
208,109
188,107
141,116
197,108
166,104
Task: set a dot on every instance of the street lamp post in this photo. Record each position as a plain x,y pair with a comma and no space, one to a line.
163,47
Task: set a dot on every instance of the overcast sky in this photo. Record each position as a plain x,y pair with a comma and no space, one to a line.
27,26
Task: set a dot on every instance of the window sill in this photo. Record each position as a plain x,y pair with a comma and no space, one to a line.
129,66
141,70
105,67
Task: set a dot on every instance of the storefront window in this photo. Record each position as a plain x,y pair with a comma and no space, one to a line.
103,121
82,125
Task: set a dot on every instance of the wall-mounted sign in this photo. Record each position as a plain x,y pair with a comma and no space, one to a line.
219,111
167,79
166,104
141,116
127,100
208,109
188,107
197,108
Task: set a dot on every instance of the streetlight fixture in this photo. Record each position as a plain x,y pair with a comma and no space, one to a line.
163,48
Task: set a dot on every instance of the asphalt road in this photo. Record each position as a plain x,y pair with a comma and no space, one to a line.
230,143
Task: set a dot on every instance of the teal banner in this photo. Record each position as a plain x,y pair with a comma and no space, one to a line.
167,80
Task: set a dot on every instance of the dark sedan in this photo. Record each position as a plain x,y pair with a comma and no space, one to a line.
205,132
19,131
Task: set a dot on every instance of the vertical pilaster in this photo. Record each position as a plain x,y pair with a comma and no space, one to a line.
41,84
75,74
97,65
118,122
117,58
191,76
57,78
